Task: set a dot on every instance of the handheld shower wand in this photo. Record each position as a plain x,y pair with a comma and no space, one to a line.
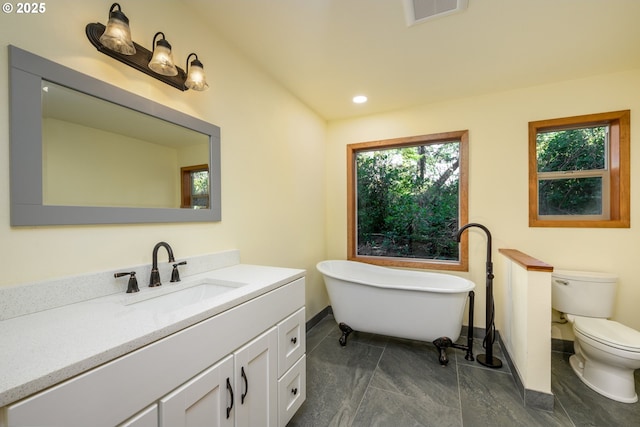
486,359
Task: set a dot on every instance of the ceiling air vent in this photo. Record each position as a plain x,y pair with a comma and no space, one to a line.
418,11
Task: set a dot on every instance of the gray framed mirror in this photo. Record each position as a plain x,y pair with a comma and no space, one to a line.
87,152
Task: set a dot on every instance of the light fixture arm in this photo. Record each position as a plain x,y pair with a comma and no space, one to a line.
113,13
197,63
112,10
163,41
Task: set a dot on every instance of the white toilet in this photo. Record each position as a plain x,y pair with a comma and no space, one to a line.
606,352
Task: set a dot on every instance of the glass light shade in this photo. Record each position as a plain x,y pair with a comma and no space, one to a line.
162,59
196,79
117,34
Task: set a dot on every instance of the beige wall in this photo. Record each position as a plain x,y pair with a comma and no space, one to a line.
107,171
283,168
272,152
498,198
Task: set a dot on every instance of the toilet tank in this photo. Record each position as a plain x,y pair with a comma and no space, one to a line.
583,293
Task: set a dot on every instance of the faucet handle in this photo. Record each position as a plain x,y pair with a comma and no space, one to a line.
132,286
175,275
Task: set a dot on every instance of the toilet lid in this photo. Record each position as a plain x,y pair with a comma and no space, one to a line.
609,332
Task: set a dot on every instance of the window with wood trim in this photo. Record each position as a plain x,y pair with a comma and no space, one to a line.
406,200
579,171
195,187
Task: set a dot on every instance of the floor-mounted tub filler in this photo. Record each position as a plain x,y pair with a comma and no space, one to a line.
487,359
417,305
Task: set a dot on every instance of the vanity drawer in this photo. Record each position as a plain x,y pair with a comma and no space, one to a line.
292,391
291,340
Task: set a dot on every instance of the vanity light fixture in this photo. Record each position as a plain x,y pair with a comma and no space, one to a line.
158,63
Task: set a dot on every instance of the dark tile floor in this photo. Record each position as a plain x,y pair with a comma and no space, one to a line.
383,381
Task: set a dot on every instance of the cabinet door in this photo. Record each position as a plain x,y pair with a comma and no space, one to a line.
256,372
205,401
145,418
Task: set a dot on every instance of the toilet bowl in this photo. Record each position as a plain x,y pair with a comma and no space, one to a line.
606,355
606,352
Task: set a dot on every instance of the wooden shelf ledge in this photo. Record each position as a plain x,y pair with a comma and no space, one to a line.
528,262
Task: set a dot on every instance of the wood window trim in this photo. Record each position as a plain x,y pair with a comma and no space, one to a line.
619,167
185,183
463,201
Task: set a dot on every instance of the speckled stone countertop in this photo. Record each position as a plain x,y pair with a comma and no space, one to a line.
50,345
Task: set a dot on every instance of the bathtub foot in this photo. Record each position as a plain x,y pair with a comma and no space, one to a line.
442,344
346,330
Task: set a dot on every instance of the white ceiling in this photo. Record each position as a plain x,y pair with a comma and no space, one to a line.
327,51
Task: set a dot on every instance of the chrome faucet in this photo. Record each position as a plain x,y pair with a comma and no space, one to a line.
155,274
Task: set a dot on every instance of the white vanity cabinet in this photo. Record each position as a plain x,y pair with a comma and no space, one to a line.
253,352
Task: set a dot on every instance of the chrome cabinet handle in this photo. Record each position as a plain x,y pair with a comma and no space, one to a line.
561,282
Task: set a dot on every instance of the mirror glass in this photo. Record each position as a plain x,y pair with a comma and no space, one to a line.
86,152
97,153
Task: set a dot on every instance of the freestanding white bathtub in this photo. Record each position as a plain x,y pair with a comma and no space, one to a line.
410,304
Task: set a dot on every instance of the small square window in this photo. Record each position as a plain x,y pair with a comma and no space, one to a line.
579,171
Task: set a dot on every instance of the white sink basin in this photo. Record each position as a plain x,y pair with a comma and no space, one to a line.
179,297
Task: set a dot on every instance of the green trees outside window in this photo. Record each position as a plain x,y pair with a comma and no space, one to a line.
200,189
579,171
194,187
572,172
408,199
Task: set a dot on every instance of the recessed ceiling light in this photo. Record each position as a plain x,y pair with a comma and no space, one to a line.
359,99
